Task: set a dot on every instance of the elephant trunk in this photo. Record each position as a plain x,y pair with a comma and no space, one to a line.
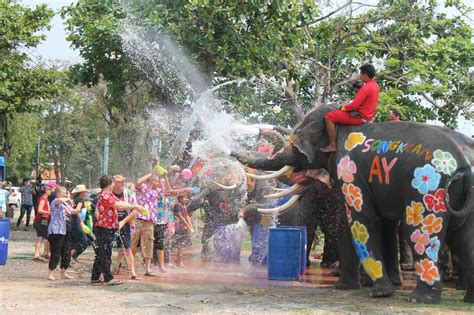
278,139
201,195
283,129
273,164
468,207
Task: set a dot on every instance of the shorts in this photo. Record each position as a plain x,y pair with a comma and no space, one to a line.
41,227
160,236
343,118
144,235
124,238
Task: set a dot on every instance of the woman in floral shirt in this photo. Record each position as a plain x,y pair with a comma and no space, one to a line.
59,233
105,228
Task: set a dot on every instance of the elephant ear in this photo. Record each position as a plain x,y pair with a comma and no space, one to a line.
308,139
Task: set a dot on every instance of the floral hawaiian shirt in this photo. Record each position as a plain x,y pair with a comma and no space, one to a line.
59,214
149,198
108,216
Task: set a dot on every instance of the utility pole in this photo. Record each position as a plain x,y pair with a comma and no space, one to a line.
105,165
38,157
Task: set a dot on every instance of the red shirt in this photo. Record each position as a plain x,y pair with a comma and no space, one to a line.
365,101
108,215
45,208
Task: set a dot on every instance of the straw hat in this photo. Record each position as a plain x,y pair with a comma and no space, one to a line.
79,189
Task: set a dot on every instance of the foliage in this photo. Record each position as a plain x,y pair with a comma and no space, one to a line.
93,30
22,81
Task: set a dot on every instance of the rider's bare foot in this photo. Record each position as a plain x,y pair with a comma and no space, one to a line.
329,148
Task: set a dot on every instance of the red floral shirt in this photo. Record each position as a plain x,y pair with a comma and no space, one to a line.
108,215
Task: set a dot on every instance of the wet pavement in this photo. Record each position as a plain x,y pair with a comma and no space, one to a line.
197,271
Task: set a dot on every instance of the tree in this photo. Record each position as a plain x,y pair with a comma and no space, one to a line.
21,80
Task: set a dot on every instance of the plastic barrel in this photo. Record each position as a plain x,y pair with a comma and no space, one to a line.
4,235
225,244
304,245
284,253
259,255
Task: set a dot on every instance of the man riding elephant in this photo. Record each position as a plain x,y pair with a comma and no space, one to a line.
360,111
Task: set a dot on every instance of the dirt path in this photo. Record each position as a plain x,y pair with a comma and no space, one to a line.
24,289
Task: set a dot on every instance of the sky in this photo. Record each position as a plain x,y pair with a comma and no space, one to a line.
55,47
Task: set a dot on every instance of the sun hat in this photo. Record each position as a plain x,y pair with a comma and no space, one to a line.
79,189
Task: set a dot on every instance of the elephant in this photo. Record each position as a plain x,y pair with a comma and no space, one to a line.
391,171
319,205
223,194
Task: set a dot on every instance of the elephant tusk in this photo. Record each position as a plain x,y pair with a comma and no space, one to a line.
285,192
223,186
290,203
276,174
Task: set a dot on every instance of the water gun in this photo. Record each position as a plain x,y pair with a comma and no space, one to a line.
86,229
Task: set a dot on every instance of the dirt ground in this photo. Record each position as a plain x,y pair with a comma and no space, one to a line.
237,290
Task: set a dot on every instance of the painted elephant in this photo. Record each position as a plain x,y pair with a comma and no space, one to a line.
223,194
393,171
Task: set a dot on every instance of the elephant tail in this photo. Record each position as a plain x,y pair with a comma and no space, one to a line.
468,207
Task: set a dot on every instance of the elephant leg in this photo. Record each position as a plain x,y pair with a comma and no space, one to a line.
348,262
207,233
329,253
311,230
406,256
390,250
426,242
365,228
461,243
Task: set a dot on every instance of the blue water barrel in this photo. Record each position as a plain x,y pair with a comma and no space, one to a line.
284,253
304,243
227,248
259,255
4,235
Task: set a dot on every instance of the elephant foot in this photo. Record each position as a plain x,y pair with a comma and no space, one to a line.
425,297
469,297
382,288
461,284
424,293
347,285
365,279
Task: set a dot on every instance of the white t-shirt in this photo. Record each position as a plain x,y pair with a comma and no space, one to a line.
3,200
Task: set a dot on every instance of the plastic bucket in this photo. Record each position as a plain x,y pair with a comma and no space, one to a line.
227,248
284,253
304,245
259,255
4,235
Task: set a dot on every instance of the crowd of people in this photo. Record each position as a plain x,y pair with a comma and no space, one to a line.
148,217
